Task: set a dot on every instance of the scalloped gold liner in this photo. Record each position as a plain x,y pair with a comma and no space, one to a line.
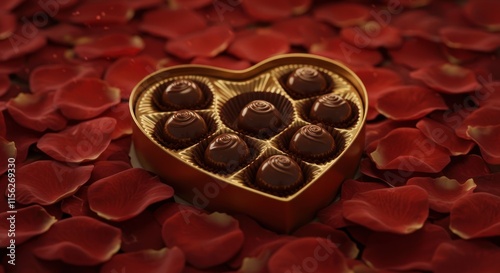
229,192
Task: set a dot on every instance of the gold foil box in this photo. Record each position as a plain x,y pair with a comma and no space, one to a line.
183,168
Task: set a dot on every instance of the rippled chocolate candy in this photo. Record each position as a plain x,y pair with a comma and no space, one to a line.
279,172
259,117
185,126
331,109
226,152
312,142
182,94
306,81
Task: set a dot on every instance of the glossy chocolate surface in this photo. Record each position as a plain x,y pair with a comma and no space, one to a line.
306,81
181,94
226,152
331,109
184,126
312,142
259,117
279,172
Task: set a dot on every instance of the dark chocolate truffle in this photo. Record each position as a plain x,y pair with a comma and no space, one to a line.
306,81
259,117
331,109
279,173
184,126
226,152
181,94
312,142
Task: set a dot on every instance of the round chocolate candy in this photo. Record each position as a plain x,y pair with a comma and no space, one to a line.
184,126
312,142
306,81
259,117
279,173
181,94
226,152
331,109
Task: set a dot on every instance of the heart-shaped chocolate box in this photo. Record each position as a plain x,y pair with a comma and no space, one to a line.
227,92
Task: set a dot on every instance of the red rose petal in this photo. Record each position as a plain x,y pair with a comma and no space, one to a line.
465,167
268,10
121,113
255,237
350,187
310,255
51,77
460,56
375,131
7,150
203,237
79,240
96,13
482,13
77,204
486,138
222,61
126,194
407,149
443,192
482,117
22,137
444,136
12,65
82,142
8,25
466,257
398,210
18,45
339,238
10,4
111,46
142,4
469,38
488,183
36,112
447,78
168,210
30,221
86,98
419,23
259,45
333,215
343,14
405,252
230,13
476,215
372,35
126,72
147,261
103,169
165,22
207,43
418,53
414,3
337,49
141,233
303,30
64,34
409,102
46,182
188,4
118,149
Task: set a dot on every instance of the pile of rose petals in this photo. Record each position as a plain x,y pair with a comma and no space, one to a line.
427,197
